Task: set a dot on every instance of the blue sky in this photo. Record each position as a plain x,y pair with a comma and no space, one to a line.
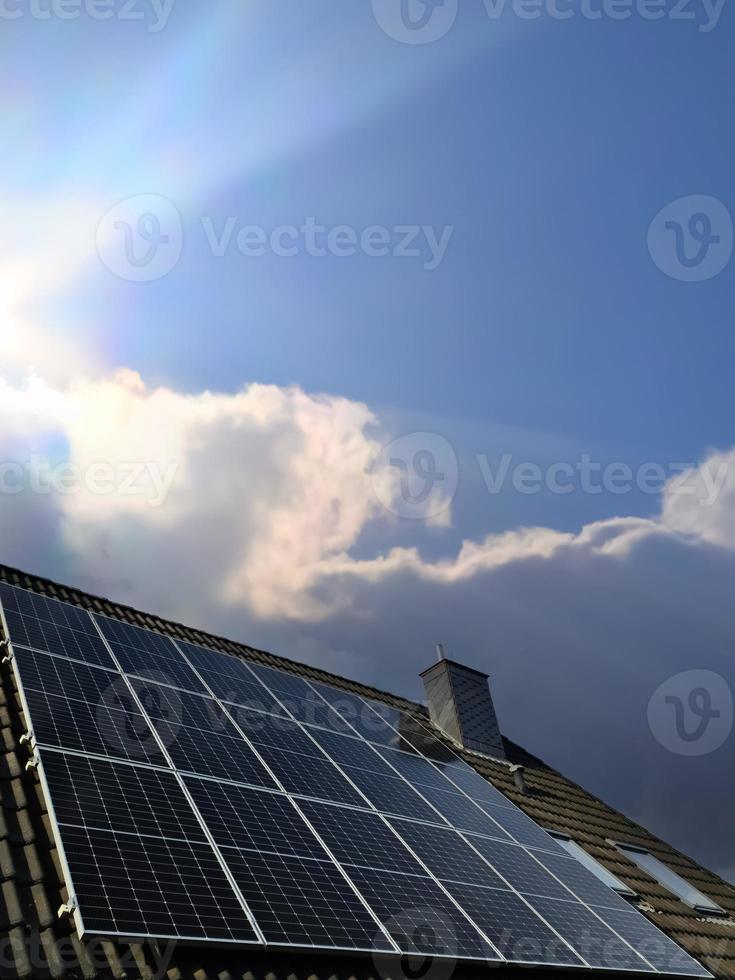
544,149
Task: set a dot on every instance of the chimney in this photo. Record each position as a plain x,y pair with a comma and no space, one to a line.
461,706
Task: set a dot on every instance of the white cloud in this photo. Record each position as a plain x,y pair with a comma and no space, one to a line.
701,502
267,492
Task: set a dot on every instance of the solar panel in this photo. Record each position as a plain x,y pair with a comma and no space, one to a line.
140,651
359,837
513,926
308,775
597,944
419,915
472,783
446,854
146,886
228,678
108,795
582,882
519,868
352,752
462,812
391,795
197,796
649,942
74,706
250,819
301,902
54,627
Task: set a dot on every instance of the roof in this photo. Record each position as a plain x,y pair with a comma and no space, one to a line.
31,882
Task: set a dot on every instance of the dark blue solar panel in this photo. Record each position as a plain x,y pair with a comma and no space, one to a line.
590,937
446,855
82,708
148,654
419,915
309,775
51,626
300,902
391,795
253,820
359,837
513,927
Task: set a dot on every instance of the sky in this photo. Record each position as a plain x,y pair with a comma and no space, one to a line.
346,328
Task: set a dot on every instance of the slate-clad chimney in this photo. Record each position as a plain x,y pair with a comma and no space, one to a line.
460,704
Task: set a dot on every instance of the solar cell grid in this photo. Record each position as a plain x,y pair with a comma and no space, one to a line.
307,775
359,837
446,854
218,756
280,681
119,797
240,691
360,717
142,652
313,711
297,901
49,610
353,752
590,937
513,927
57,637
582,882
461,812
417,770
419,916
56,675
519,868
519,826
85,727
145,886
472,783
254,820
651,943
277,732
391,794
167,704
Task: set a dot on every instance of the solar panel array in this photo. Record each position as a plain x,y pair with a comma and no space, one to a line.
200,796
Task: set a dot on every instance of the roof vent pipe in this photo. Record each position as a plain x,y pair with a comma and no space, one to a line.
519,778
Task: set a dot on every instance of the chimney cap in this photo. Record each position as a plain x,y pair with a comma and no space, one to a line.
454,663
